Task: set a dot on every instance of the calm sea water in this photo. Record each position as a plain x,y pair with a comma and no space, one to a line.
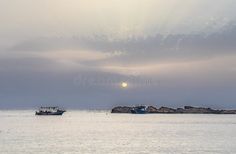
21,132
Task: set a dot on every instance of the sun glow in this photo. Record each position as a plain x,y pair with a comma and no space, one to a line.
124,84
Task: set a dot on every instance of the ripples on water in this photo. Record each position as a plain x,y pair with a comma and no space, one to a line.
21,132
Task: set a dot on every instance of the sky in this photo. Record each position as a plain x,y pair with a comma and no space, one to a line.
76,53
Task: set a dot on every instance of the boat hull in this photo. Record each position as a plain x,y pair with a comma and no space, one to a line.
139,110
49,113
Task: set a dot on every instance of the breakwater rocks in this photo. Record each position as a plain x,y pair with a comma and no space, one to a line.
167,110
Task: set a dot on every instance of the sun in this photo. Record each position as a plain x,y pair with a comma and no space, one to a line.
124,84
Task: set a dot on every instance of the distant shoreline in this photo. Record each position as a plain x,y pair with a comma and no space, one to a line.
168,110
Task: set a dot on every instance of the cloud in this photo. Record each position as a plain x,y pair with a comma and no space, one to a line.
116,19
134,56
158,48
173,52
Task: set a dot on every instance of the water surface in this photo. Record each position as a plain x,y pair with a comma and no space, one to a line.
21,132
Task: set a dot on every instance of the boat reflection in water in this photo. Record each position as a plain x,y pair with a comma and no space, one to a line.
49,111
141,109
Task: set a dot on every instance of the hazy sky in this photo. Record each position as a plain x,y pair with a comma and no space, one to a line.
75,53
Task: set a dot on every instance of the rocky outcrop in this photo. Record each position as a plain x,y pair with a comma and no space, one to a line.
121,109
190,109
167,110
152,109
228,112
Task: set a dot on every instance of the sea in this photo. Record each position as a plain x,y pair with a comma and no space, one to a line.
100,132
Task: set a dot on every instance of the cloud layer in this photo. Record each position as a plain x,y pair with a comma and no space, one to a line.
76,54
